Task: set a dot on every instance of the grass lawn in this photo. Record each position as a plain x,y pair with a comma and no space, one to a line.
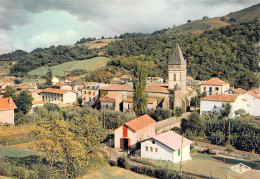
213,166
108,172
88,64
14,152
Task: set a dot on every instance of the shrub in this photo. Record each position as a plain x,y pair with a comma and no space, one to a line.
218,138
122,162
230,149
178,111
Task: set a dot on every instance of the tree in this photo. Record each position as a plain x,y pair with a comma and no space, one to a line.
10,92
205,17
161,114
178,111
188,21
88,131
24,101
139,84
49,77
227,110
56,143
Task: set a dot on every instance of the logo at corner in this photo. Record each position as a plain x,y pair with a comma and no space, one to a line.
240,168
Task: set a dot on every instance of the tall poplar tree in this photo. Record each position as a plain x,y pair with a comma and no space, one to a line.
49,77
140,98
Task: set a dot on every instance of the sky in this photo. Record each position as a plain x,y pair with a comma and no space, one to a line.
30,24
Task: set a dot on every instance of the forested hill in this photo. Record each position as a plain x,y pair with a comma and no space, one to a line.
206,23
230,53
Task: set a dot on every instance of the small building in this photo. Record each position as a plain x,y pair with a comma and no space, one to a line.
128,104
7,107
58,96
126,79
251,101
214,86
111,101
128,134
90,93
70,79
235,91
168,146
116,81
55,80
36,94
215,103
154,80
26,86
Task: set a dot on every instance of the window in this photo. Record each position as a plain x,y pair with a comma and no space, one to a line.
210,89
85,92
204,88
216,88
89,92
94,93
153,142
174,77
215,106
146,148
151,149
156,150
179,152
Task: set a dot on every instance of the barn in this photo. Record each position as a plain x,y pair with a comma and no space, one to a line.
131,132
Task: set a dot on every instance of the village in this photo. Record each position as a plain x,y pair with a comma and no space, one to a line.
141,137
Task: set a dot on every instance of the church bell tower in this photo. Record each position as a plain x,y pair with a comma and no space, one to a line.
177,70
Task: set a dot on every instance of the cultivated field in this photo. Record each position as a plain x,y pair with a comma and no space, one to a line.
97,43
61,69
214,166
114,172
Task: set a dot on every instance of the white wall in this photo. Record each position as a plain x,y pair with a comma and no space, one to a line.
69,97
221,89
252,105
118,133
163,152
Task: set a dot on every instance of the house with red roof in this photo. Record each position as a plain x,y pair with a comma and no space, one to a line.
214,86
168,146
7,107
58,96
215,103
131,132
252,102
111,101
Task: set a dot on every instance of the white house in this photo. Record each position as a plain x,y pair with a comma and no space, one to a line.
55,80
214,86
251,101
133,131
213,104
58,96
168,146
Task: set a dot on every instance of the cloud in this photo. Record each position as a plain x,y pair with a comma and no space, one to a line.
28,24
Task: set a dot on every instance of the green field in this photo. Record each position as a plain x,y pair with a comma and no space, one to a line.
114,173
59,70
14,152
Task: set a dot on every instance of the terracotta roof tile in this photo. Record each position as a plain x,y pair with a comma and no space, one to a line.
140,122
149,88
131,100
111,97
7,103
221,97
58,91
214,81
39,102
239,91
255,93
172,140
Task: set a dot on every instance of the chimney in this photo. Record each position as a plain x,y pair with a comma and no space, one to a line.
9,102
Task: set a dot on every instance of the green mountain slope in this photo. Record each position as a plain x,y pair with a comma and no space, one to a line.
64,68
199,26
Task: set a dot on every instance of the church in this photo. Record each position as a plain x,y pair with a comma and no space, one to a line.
169,95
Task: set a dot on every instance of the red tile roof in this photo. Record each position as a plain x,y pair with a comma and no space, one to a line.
52,90
111,97
189,78
149,88
7,103
214,81
255,93
131,100
36,90
239,91
172,140
221,97
39,102
140,122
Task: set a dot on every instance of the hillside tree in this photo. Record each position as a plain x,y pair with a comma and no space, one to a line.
139,84
49,77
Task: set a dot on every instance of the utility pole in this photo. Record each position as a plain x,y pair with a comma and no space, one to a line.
181,155
229,131
110,147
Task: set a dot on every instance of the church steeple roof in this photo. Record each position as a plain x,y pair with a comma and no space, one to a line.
177,57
